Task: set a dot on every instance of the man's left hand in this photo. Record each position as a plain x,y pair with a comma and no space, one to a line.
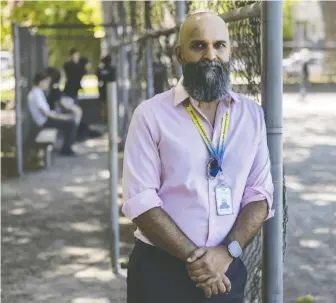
213,263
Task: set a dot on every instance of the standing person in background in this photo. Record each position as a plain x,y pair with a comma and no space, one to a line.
304,80
304,75
104,70
73,70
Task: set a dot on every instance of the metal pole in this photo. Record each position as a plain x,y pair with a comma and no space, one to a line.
149,64
133,74
272,46
180,16
112,107
18,98
123,104
149,51
180,11
133,56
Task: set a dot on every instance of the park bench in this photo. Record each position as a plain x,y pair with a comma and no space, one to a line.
37,140
38,145
45,140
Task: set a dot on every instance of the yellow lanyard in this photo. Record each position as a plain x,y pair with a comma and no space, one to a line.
218,155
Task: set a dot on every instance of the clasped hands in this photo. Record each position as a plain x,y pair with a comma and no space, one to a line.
207,267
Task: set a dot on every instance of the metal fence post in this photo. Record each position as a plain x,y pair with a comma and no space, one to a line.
133,84
149,51
149,65
180,16
112,111
123,104
271,15
18,105
133,75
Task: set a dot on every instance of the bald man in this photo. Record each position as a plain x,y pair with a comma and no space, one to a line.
196,178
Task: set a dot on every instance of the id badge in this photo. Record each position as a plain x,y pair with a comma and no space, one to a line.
223,200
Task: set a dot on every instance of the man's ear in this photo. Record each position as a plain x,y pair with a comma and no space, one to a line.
178,54
230,49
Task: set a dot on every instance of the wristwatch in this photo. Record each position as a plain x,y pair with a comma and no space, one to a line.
234,248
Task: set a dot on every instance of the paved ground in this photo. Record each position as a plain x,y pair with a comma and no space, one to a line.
309,155
54,232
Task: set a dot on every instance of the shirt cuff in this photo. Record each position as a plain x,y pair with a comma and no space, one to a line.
141,203
253,194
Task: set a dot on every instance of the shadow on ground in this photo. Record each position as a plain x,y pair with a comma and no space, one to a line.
309,156
54,223
55,234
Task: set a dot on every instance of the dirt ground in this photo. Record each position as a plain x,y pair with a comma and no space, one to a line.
54,231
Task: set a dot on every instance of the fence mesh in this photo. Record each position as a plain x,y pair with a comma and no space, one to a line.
33,59
246,74
245,36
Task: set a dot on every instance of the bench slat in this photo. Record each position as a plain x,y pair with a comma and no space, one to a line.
46,136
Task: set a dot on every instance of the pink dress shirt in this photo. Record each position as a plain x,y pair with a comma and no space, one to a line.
165,163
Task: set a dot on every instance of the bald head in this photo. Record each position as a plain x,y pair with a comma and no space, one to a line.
203,35
195,23
204,52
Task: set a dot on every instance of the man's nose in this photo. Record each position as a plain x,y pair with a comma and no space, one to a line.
210,53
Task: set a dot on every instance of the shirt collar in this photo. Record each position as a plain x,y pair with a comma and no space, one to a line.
180,94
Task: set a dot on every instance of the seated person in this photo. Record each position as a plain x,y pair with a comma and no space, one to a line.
56,99
63,102
45,117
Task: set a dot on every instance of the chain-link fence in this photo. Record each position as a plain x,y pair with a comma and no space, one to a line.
245,34
138,69
30,57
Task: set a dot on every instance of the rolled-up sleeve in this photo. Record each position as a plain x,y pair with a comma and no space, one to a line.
141,167
259,185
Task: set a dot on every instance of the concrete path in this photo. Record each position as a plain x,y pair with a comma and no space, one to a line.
54,231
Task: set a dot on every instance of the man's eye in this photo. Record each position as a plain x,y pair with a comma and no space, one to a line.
198,46
220,45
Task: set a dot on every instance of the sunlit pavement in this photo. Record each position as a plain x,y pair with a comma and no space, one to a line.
310,165
54,223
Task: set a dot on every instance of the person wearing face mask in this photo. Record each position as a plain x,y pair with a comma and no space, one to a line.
196,178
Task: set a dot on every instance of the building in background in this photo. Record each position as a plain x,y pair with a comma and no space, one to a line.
308,23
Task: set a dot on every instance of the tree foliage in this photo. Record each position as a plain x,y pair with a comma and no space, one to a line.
287,20
27,13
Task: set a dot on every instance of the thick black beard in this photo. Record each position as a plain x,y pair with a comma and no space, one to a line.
207,80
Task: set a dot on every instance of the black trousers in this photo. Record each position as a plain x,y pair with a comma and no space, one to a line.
156,277
67,126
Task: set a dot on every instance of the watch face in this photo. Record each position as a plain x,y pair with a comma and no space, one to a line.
235,249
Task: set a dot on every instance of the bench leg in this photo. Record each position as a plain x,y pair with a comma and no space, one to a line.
47,156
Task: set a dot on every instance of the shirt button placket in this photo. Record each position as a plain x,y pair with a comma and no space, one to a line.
212,211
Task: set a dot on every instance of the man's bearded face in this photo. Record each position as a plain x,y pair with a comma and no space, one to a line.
207,80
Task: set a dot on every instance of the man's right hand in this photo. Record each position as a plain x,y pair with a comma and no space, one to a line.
210,285
220,285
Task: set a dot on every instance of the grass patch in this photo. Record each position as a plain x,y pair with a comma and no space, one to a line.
7,96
